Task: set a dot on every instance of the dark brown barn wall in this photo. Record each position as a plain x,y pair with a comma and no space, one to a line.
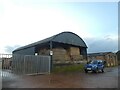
6,63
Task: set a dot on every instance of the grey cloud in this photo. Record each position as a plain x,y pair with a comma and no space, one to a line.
103,44
106,44
9,49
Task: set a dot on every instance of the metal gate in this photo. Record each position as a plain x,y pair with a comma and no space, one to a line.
25,64
30,64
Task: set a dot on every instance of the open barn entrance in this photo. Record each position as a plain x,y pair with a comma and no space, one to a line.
66,54
63,54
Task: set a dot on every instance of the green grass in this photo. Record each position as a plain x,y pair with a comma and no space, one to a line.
70,68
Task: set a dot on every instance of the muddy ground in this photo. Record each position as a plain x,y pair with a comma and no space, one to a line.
108,79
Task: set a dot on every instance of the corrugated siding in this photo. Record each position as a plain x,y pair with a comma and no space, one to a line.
30,64
27,51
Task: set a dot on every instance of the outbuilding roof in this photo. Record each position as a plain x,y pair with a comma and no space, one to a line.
98,54
64,37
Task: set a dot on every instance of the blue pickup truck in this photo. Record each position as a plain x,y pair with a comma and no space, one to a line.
95,66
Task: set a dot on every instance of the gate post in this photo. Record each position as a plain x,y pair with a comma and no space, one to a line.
24,66
51,53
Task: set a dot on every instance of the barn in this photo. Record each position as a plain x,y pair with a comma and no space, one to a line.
109,57
65,47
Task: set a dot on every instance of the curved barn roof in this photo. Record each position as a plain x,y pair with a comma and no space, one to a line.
64,37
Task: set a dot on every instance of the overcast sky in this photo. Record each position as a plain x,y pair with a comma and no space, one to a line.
26,21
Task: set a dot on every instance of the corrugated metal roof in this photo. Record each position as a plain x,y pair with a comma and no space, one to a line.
64,37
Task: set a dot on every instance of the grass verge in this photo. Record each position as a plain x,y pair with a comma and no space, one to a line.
70,68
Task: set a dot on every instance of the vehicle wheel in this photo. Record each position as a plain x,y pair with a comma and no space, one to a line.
86,71
102,70
96,71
